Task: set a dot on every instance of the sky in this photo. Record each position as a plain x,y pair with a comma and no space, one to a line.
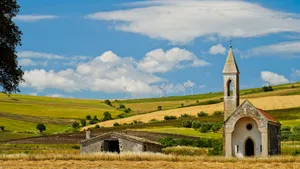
115,49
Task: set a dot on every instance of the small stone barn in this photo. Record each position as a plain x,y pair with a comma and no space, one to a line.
248,131
117,142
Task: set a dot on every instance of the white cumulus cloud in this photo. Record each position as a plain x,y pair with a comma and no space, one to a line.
217,49
33,18
182,21
273,78
283,49
160,61
32,54
29,62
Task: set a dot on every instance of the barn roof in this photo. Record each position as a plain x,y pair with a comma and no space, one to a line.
119,135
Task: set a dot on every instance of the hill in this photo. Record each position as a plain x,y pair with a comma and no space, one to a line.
21,113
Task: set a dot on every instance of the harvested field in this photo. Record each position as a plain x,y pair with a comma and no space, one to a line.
266,103
143,160
59,164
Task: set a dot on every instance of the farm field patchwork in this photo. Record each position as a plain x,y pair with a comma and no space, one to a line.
182,131
266,103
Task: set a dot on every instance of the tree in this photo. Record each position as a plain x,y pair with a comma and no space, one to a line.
116,124
88,117
107,102
2,128
75,125
10,37
97,126
107,116
41,128
83,122
202,114
159,107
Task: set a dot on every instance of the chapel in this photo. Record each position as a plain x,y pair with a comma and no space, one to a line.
247,130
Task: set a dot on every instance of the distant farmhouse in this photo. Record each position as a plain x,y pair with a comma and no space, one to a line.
117,142
248,131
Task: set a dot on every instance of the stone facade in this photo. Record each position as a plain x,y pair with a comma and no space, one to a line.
247,131
231,82
125,143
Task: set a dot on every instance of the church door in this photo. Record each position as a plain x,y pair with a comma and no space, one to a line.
249,147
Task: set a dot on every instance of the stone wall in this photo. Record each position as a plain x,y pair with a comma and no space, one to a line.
126,145
274,139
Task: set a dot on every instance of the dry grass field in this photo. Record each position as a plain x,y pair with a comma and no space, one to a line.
142,160
266,103
73,164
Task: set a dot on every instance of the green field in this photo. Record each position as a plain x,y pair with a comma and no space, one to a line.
181,131
21,113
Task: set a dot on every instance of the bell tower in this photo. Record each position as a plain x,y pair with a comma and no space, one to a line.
231,85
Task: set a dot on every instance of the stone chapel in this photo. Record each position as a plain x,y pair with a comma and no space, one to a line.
248,131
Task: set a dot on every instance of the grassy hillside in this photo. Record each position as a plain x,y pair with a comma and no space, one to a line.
21,113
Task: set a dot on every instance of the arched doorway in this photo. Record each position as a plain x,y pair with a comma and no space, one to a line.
249,147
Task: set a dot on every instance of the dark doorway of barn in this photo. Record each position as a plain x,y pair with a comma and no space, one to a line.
249,147
111,146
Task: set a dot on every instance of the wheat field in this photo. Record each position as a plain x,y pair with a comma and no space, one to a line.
266,103
141,160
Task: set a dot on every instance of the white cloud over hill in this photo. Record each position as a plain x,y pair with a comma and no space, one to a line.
183,21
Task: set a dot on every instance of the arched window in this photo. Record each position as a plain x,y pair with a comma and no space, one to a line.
229,88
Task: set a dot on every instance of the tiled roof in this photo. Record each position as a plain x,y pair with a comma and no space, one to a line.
268,117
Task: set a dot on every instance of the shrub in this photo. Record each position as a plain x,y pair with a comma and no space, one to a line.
107,102
217,148
267,88
88,117
296,129
185,150
96,118
202,114
83,122
197,101
205,127
153,120
41,128
116,124
196,124
293,86
92,122
2,128
216,127
170,118
107,116
286,128
97,126
200,142
218,113
75,125
122,106
182,105
184,116
75,147
129,109
126,111
120,116
187,123
159,107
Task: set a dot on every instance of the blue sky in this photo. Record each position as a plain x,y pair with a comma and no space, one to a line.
96,49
